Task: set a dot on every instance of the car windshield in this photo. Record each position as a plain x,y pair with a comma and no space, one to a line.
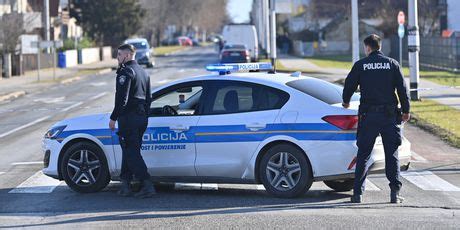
140,45
322,90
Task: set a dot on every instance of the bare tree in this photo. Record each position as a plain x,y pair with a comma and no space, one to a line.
11,28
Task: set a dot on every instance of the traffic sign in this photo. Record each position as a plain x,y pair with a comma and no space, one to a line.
401,30
401,18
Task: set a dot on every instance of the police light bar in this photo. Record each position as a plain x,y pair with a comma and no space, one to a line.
237,67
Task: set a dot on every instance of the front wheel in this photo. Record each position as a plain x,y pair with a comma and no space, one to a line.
285,171
340,185
84,168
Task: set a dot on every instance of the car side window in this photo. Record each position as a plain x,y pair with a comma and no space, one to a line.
237,97
182,100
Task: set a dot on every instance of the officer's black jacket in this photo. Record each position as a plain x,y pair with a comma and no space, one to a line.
132,89
377,76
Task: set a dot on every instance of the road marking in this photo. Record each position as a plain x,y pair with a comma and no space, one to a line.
97,96
98,84
28,163
71,107
418,158
37,183
1,173
371,186
24,126
195,186
428,181
50,100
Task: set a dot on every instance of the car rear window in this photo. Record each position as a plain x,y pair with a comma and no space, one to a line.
140,45
322,90
235,46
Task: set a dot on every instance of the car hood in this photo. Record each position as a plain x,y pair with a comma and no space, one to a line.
95,121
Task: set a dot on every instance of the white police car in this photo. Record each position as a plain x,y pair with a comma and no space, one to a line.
284,131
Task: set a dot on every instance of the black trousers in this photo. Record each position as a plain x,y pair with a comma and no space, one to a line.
371,125
131,128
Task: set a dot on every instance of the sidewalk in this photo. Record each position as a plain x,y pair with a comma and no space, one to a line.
429,90
17,86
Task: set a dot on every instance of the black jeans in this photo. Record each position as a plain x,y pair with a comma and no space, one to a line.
371,125
131,128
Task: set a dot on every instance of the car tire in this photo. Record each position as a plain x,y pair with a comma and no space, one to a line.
84,168
285,171
340,185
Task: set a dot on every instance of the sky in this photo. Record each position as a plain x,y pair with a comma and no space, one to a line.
239,10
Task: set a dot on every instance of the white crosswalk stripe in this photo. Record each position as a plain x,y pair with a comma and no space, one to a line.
38,183
426,180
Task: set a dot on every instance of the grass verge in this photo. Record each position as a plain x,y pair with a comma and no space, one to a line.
162,50
441,120
344,62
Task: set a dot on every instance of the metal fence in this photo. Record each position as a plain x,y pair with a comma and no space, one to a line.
435,52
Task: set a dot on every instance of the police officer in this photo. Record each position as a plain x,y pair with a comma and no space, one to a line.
378,78
132,103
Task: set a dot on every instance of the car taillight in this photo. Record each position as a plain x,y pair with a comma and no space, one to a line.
225,53
345,122
244,53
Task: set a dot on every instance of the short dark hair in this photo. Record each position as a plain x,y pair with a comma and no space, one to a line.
128,47
373,41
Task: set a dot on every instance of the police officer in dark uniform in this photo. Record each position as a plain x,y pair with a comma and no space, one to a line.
378,78
132,103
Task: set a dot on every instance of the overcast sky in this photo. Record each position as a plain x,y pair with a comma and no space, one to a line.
239,10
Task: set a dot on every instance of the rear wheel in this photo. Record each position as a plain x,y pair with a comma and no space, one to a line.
340,185
285,171
84,168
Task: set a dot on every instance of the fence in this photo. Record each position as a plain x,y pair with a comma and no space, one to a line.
435,52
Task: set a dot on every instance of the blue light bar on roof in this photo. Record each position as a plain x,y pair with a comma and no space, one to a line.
236,67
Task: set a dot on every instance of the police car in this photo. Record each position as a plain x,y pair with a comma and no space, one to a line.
284,131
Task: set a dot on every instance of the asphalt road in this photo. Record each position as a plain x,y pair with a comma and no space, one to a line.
431,188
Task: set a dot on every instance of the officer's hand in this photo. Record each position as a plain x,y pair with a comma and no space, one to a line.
112,125
345,105
405,117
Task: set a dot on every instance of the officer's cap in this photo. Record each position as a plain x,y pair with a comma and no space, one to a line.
128,47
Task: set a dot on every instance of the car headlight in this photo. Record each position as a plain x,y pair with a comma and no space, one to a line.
54,132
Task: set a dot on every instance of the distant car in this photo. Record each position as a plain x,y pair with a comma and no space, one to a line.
144,53
242,34
234,53
185,41
283,131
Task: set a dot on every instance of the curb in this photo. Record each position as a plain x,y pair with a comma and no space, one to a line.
12,95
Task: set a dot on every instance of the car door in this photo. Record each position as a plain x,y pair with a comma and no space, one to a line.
236,117
169,142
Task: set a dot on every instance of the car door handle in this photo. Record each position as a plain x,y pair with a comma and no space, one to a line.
256,126
179,128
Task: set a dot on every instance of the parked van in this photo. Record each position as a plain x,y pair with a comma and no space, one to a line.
242,34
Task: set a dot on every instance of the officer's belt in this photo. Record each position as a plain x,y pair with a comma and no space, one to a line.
379,108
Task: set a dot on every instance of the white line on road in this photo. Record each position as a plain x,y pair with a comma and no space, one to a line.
71,107
28,163
426,180
163,81
418,158
97,96
38,183
371,186
1,173
24,126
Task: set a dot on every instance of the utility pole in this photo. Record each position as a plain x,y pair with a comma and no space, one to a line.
354,30
266,25
273,34
414,48
47,22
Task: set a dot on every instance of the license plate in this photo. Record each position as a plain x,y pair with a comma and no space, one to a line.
234,54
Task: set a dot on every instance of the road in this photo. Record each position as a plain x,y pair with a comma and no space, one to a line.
431,188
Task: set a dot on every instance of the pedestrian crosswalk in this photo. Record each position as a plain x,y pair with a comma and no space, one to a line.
423,180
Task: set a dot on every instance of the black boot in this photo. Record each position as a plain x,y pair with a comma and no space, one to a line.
395,198
147,190
125,189
356,198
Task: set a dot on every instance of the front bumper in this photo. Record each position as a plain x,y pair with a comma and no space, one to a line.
51,149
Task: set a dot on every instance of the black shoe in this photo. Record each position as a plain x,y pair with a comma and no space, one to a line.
147,190
395,198
356,199
125,189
